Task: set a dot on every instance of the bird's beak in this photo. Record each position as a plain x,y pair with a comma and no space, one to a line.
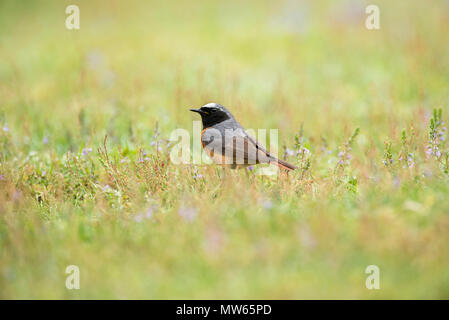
197,111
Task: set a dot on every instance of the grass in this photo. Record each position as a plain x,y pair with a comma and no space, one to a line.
369,192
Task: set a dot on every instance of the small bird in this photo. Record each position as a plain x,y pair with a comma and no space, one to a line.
227,143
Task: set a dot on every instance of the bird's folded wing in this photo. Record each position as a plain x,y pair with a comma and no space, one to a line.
235,148
245,151
258,145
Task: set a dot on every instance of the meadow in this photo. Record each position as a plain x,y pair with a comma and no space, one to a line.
85,171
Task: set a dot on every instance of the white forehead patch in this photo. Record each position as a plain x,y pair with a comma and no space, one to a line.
210,105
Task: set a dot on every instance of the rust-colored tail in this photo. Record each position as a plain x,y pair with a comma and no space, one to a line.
284,164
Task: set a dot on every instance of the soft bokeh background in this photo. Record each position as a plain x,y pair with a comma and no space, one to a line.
139,227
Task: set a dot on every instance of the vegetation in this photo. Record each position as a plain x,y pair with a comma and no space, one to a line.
85,171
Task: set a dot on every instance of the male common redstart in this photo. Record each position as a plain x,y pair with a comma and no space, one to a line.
227,143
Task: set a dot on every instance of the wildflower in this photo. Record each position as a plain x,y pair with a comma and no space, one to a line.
45,140
436,134
86,151
2,177
251,168
305,151
6,128
289,152
196,175
388,156
410,161
106,188
188,214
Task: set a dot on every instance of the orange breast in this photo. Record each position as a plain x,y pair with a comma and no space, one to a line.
202,132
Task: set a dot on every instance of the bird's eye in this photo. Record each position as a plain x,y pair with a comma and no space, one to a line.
213,110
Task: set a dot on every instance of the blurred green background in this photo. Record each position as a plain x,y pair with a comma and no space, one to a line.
308,68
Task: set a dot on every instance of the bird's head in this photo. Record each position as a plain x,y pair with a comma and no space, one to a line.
213,113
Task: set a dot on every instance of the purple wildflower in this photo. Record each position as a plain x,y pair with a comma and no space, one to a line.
86,151
305,151
410,161
289,152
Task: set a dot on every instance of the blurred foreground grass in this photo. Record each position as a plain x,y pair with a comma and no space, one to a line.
140,227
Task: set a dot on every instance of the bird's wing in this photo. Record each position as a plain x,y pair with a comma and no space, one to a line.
236,148
247,151
258,145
